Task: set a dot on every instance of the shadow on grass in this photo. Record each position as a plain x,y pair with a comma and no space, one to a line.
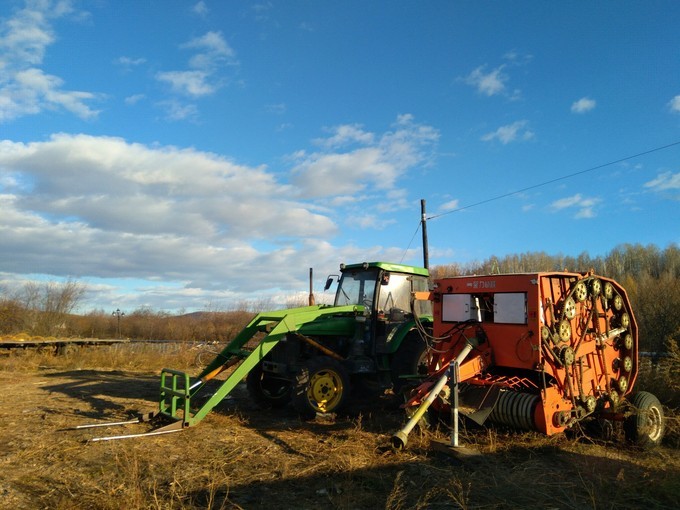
99,389
543,477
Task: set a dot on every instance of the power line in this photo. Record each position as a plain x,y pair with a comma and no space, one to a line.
505,195
591,169
410,242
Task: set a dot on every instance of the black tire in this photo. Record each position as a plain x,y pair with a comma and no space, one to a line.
267,390
645,426
322,386
410,359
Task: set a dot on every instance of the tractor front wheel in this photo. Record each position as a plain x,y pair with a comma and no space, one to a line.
321,386
267,390
645,427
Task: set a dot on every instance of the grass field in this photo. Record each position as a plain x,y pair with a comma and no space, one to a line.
243,457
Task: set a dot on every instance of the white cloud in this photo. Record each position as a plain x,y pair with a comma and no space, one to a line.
370,221
450,205
212,55
664,182
492,82
674,104
25,89
192,83
585,206
378,162
100,207
175,110
130,62
345,135
393,200
200,8
517,131
276,109
488,83
134,99
111,184
583,105
213,50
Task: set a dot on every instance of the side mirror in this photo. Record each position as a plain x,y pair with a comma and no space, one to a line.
329,282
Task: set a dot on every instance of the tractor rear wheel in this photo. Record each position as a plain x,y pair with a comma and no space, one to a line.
645,427
267,390
410,359
321,386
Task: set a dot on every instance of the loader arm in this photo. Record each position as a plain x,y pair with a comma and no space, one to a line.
177,389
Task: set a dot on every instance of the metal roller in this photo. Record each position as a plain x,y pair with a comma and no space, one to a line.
515,409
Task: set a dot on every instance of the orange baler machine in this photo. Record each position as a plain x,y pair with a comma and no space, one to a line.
550,349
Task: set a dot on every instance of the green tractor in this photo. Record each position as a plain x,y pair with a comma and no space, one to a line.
311,356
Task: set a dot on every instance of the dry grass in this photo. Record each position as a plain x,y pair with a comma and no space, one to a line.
241,457
147,357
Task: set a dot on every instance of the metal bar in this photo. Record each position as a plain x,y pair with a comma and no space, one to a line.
129,436
320,347
177,426
454,408
215,373
105,424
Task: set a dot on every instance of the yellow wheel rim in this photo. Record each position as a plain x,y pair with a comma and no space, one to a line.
325,390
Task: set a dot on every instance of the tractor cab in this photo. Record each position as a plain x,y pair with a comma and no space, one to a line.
384,291
380,287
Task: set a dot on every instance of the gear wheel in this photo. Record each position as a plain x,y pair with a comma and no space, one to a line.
581,291
569,309
565,331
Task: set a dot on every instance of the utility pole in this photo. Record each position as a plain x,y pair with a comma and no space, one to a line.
426,255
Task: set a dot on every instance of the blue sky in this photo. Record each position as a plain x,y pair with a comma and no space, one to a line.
190,155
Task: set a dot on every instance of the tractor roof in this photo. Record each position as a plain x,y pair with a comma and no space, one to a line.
387,266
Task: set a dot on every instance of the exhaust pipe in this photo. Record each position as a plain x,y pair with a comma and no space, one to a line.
400,438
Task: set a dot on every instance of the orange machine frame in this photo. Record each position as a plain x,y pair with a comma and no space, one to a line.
562,346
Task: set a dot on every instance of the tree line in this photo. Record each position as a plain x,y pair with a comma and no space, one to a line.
649,274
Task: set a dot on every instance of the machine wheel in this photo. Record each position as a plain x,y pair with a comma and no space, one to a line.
645,427
321,386
266,390
410,359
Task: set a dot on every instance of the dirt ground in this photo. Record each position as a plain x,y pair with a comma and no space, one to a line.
242,457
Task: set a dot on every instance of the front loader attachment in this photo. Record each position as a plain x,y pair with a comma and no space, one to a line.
179,393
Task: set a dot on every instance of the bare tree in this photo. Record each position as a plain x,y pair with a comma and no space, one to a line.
48,306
